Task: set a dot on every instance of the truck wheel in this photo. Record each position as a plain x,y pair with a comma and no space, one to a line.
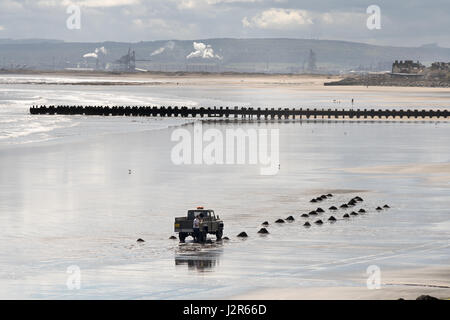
219,234
182,236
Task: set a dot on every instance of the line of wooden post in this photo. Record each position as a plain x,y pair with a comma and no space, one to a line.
236,112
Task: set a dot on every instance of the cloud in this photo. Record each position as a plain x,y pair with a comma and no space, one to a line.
164,29
107,3
193,4
277,18
2,28
187,4
145,20
342,18
203,51
10,5
88,3
153,23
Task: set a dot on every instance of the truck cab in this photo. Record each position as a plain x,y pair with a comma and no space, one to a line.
209,224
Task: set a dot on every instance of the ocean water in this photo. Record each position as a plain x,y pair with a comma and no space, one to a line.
19,92
67,198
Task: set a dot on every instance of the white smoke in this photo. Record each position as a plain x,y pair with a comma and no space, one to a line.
203,51
158,51
96,53
168,46
101,50
90,55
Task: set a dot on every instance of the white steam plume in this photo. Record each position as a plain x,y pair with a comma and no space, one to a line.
203,51
168,46
90,55
96,52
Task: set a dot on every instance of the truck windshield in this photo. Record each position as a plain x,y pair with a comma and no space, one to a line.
193,213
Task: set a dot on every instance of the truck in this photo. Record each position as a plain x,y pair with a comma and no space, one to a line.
210,224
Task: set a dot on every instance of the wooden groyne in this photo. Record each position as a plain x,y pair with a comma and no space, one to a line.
237,112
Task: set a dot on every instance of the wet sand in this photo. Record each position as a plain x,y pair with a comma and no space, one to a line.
407,284
71,200
314,84
431,173
74,203
414,168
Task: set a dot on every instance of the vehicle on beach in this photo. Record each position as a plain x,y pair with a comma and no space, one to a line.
209,224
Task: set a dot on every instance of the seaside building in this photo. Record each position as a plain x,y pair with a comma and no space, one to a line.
407,67
440,66
439,70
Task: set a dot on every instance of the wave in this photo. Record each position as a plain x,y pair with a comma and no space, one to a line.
18,126
77,81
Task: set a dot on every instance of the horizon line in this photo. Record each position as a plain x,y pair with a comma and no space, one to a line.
436,45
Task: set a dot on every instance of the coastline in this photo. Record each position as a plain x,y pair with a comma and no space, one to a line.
290,85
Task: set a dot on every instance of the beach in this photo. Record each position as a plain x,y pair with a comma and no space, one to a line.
406,284
79,191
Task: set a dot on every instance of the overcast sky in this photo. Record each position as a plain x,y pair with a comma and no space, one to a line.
403,22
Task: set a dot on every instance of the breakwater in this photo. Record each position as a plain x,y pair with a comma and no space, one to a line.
239,112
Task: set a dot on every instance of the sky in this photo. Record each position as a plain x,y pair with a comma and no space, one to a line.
402,22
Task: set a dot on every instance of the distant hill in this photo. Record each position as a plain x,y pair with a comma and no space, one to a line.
24,41
239,55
